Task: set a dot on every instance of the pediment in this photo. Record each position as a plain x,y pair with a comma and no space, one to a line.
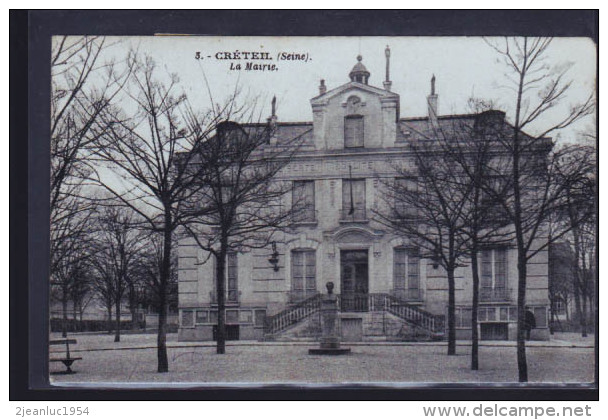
354,234
352,87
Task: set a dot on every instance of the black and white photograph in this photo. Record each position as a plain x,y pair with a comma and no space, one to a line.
364,210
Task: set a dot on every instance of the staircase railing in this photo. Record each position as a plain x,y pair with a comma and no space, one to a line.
410,313
373,302
292,315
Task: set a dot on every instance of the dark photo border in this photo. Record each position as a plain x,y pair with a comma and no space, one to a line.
30,42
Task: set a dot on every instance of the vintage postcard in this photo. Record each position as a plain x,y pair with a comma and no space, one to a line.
399,211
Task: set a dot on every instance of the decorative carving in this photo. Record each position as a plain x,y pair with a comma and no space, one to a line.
354,237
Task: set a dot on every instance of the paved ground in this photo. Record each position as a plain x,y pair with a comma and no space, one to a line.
564,359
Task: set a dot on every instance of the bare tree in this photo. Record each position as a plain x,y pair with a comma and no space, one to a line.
439,203
426,204
580,216
146,276
470,149
81,292
83,86
148,146
538,89
242,202
119,243
69,263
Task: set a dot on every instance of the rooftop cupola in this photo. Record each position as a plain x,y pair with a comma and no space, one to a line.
359,73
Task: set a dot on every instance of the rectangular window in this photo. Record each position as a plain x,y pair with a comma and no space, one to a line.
491,314
303,274
232,317
493,275
353,199
504,314
232,276
245,317
463,317
405,191
491,206
303,201
187,318
406,274
353,131
202,317
512,313
232,284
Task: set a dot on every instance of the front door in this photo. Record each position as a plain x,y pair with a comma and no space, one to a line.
354,287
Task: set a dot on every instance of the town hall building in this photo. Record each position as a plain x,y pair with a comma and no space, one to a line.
386,290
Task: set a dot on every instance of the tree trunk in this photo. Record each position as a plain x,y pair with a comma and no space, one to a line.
577,304
161,339
584,316
64,304
551,314
109,318
117,333
522,364
221,301
451,313
474,330
133,308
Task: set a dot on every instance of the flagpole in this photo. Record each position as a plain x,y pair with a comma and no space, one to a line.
350,181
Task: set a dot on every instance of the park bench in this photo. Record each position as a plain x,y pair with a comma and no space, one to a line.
68,359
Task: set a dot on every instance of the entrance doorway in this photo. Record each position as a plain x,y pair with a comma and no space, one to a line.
354,287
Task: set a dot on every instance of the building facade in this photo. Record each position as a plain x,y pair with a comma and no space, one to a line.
387,291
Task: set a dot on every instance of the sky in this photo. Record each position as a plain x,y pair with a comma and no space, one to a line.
464,67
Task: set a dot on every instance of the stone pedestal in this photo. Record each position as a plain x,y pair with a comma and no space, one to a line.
330,338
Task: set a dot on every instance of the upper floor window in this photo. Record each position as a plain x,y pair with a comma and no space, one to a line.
303,201
353,199
353,131
404,191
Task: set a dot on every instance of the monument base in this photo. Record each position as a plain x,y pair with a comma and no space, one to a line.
329,352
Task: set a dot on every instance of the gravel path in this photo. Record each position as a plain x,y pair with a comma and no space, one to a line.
133,360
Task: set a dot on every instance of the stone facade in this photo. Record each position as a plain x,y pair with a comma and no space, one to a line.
356,138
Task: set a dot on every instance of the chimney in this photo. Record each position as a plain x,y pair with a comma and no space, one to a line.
432,100
322,87
387,82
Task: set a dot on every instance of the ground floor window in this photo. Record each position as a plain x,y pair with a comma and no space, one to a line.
187,318
463,317
406,273
303,274
485,314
